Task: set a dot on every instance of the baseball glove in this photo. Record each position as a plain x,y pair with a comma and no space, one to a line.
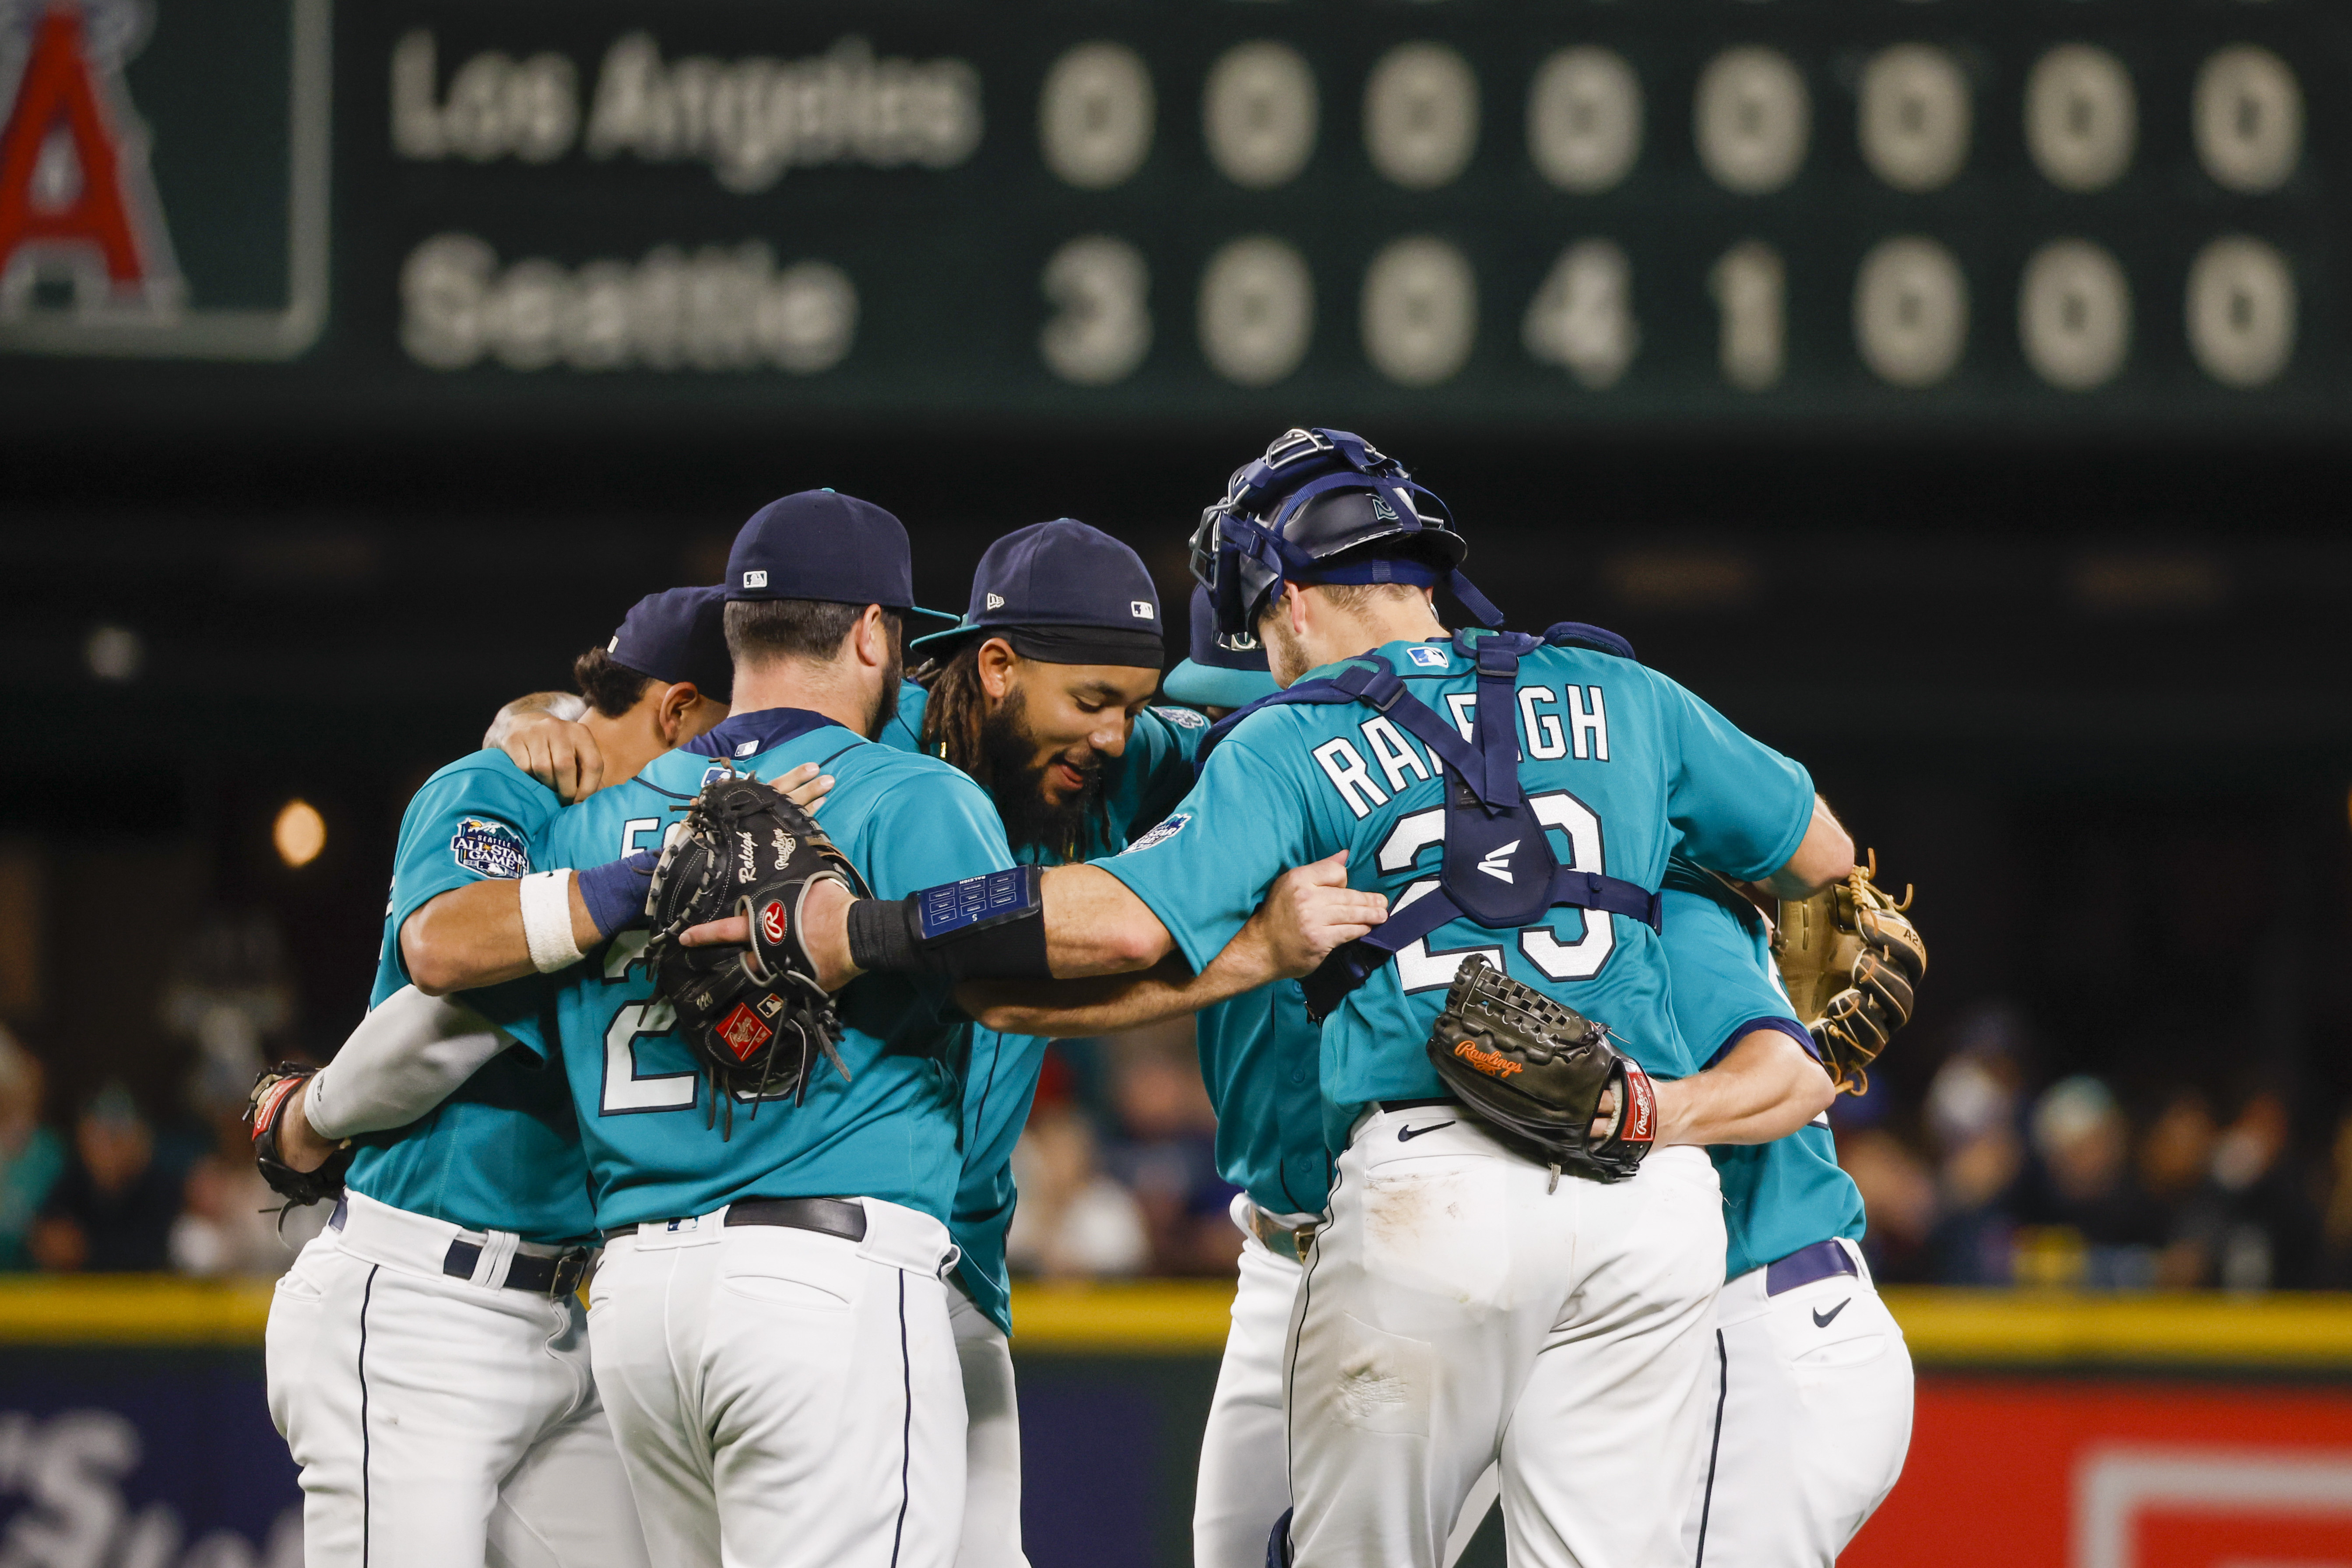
1536,1071
265,1112
1852,965
755,1015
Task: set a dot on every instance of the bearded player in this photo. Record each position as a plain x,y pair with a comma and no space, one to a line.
1040,694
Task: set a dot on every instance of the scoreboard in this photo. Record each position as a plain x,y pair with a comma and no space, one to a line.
1528,214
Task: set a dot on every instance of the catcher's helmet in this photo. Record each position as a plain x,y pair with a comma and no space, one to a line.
1317,495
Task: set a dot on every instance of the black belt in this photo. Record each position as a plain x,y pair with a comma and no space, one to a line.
1394,1105
1819,1261
557,1276
826,1217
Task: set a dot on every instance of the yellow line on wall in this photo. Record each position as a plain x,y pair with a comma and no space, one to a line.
1945,1327
131,1309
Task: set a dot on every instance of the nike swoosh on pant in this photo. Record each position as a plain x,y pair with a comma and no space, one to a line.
1407,1134
1823,1320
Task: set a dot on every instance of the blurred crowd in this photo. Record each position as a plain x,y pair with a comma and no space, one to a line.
1985,1178
2067,1184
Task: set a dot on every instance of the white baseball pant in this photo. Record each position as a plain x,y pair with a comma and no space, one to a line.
1813,1391
991,1438
1461,1308
440,1421
1245,1484
783,1399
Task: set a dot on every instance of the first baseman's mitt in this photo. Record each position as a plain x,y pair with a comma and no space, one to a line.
1536,1071
755,1015
265,1112
1851,963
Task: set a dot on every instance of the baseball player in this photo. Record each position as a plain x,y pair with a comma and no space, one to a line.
1462,1297
1258,1060
1039,693
1257,1055
770,1321
1812,1406
427,1359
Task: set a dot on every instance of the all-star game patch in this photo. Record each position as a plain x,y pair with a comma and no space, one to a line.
1161,834
489,848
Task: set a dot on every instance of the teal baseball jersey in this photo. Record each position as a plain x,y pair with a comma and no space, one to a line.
1258,1057
503,1152
658,1147
1779,1197
1001,1079
1619,763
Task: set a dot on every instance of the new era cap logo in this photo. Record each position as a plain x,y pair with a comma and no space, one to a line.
996,600
755,579
1142,608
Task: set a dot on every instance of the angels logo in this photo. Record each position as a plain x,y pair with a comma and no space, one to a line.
75,199
90,262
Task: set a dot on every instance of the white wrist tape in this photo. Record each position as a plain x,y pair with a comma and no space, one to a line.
547,920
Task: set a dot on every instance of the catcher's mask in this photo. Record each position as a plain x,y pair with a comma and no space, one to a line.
1316,495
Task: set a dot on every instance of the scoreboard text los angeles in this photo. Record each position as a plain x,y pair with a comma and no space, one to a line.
1962,212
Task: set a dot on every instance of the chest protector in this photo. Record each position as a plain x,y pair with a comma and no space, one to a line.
1499,870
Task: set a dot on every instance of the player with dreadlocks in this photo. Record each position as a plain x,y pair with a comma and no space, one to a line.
1042,695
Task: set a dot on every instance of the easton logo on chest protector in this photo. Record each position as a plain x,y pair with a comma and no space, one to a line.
489,848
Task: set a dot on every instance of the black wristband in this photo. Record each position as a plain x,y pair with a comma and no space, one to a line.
882,938
982,928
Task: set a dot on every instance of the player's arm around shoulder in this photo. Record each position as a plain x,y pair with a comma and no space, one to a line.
490,929
1763,1081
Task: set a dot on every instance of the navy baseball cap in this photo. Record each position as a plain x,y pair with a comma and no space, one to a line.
1224,671
817,544
1061,593
679,634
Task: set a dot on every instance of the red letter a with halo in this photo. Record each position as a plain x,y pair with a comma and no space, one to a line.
75,197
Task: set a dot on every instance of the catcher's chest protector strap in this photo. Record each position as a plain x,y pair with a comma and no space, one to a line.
1499,870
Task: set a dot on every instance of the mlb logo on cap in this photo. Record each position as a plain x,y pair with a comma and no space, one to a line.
755,579
1141,609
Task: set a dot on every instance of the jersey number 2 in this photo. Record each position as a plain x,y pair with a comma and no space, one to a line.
628,1091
